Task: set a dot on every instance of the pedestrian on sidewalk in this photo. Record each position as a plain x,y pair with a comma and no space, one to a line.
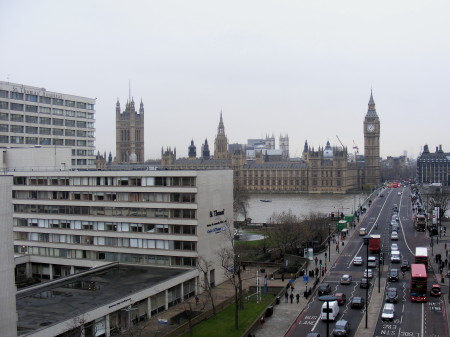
342,243
337,247
297,297
286,296
315,260
292,297
320,262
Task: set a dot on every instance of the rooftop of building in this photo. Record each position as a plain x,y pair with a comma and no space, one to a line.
62,299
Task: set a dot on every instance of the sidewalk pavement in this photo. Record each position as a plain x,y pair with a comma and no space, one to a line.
442,248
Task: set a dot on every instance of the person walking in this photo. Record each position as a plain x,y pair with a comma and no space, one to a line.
286,296
297,297
292,298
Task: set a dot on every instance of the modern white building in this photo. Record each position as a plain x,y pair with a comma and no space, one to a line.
8,320
69,221
32,116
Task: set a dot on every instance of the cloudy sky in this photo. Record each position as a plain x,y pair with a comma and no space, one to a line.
302,68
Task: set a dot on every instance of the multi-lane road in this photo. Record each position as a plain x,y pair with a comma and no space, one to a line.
411,319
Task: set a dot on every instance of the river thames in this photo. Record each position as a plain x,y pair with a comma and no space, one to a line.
301,204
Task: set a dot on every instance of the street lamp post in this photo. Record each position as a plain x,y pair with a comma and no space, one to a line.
366,239
328,299
329,246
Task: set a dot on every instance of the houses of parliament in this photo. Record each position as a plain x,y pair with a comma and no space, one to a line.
258,166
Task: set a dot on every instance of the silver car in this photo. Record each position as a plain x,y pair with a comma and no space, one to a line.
394,236
368,273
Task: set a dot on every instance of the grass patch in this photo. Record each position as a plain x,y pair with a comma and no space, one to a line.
222,325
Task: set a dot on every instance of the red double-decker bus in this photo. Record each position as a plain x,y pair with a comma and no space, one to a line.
421,256
418,290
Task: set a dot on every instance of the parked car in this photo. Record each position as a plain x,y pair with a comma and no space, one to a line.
394,235
392,295
357,302
342,328
393,275
435,290
341,298
346,279
324,289
364,283
405,266
357,261
368,273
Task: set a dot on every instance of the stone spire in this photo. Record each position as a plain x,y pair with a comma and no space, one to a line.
371,111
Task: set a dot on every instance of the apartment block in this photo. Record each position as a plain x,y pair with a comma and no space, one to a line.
32,116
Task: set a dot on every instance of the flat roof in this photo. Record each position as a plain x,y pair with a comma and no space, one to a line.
60,300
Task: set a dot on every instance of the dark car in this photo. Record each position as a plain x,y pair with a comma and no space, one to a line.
392,295
357,302
324,289
365,283
393,275
435,290
405,265
341,298
342,328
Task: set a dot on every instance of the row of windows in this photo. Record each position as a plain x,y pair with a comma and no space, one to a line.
106,226
107,241
103,196
43,141
108,211
45,120
106,181
46,100
107,256
45,131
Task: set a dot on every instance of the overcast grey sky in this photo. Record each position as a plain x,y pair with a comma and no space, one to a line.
304,68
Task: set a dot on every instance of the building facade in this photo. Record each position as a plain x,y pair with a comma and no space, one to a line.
372,174
32,116
8,321
433,167
129,133
68,221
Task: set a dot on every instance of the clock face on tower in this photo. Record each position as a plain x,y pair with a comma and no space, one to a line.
370,128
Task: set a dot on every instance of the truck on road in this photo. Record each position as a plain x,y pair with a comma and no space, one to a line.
374,243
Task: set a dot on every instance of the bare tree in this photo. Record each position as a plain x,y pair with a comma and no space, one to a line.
240,199
286,231
230,262
439,199
204,266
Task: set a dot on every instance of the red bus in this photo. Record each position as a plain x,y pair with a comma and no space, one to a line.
418,290
421,256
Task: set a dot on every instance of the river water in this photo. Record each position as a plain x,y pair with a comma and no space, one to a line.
301,204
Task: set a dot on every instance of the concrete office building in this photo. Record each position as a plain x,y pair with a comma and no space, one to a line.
69,221
8,320
32,116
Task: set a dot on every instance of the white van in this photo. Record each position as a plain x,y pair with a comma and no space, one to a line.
372,262
388,312
395,256
332,308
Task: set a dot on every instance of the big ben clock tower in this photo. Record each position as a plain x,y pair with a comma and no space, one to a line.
372,145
